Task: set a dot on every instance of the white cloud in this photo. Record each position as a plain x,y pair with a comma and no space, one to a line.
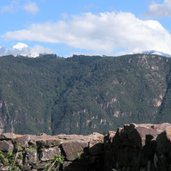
31,7
104,33
160,9
11,7
16,5
24,50
20,46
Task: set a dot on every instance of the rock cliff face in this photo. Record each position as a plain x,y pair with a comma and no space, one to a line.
135,147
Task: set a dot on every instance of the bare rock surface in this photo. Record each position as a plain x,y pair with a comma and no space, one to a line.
6,146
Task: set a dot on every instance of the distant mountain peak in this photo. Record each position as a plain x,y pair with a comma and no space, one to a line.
154,52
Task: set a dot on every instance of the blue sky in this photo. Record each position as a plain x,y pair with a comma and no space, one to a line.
66,27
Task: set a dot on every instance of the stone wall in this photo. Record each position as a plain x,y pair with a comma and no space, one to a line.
44,152
142,147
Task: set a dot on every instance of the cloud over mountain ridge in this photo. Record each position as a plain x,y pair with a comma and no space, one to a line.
22,49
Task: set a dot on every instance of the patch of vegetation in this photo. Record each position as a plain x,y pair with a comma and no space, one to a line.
9,160
79,155
55,163
32,148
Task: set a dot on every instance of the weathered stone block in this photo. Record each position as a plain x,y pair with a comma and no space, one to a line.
22,142
6,146
7,136
48,143
73,149
31,155
47,154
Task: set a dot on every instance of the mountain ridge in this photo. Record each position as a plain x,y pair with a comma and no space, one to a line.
82,94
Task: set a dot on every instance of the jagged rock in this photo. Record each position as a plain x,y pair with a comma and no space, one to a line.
96,143
168,132
142,146
109,137
6,146
96,149
73,149
144,131
128,136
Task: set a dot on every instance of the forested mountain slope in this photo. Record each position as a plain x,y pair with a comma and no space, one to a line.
83,94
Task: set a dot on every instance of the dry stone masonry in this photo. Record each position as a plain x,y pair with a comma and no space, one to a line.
44,152
135,147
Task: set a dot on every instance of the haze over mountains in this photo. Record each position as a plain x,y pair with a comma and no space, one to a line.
83,94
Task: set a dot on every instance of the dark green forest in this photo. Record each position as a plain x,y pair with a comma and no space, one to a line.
83,94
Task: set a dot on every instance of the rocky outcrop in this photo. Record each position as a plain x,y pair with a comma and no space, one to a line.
135,147
139,147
